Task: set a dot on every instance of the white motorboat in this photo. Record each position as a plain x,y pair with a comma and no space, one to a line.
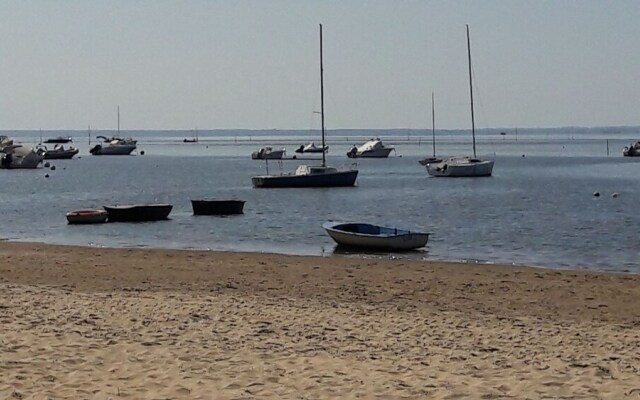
268,153
114,146
59,152
462,166
17,156
312,148
374,148
306,176
370,236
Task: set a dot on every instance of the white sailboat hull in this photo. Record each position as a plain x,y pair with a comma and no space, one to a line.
458,167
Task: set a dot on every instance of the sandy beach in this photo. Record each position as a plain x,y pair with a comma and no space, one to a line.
89,323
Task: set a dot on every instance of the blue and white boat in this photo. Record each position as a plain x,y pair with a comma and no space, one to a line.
374,237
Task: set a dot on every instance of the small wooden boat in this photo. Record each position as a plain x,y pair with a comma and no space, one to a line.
374,237
138,212
217,207
87,216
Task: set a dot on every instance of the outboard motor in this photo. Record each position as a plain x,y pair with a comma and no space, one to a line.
95,149
352,153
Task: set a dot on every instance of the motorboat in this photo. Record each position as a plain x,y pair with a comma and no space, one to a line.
312,148
87,216
462,166
369,236
17,156
59,152
59,139
306,176
217,207
632,151
374,148
138,212
193,139
268,153
114,146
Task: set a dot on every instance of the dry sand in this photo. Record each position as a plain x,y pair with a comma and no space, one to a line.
87,323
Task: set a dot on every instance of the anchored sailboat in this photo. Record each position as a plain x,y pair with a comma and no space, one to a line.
307,175
463,166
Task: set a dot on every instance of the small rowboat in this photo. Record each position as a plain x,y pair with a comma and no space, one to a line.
217,207
374,237
87,216
138,212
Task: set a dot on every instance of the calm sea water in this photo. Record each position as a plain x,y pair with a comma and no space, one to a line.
536,210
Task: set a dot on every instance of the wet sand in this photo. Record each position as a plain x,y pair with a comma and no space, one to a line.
80,322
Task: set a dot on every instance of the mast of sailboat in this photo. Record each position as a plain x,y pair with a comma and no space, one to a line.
473,124
433,125
322,98
118,120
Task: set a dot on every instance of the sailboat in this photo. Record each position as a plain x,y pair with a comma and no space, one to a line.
463,166
114,145
434,159
308,175
194,139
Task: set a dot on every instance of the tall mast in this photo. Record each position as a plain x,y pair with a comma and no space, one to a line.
118,120
473,123
433,124
322,98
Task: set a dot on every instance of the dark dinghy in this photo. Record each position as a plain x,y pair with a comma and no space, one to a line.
138,212
217,207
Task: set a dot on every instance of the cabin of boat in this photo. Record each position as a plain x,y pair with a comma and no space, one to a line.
374,148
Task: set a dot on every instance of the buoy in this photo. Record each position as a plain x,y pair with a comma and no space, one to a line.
53,167
614,194
142,153
47,164
523,155
46,176
596,194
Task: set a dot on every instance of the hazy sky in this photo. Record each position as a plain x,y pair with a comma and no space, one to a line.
254,64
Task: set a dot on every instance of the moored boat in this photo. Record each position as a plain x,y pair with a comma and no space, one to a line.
369,236
17,156
59,152
87,216
632,151
217,207
374,148
268,153
59,139
312,148
114,146
138,212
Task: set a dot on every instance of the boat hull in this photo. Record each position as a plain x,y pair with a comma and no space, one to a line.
267,155
377,153
112,150
138,213
367,236
334,179
447,168
59,140
60,155
29,161
217,207
87,217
